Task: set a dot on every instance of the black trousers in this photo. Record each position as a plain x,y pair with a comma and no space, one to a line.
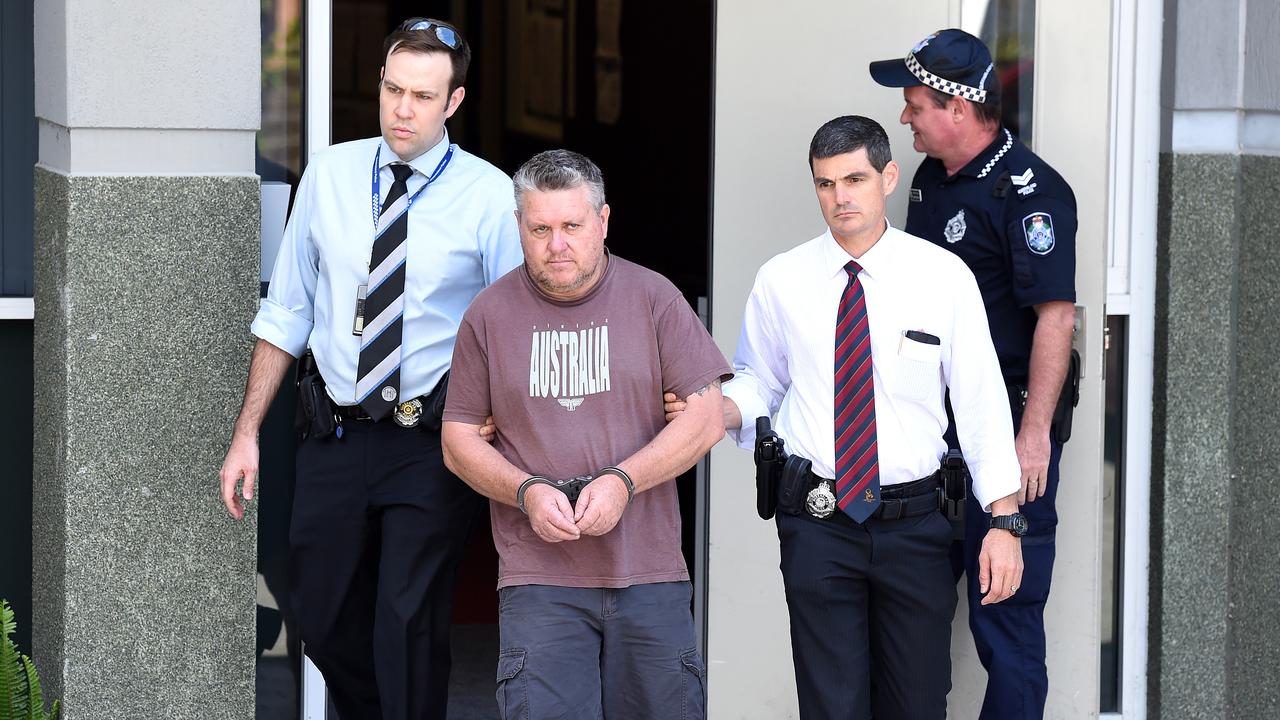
379,525
871,608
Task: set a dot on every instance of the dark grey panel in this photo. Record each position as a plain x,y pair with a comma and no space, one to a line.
15,479
18,146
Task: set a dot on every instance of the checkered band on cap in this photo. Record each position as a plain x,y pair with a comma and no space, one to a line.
949,87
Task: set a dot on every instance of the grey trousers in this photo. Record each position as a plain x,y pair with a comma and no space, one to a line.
599,654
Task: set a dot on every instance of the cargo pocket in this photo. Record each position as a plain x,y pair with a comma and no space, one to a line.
513,686
693,686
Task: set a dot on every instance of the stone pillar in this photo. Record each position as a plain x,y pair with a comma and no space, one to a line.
146,276
1215,624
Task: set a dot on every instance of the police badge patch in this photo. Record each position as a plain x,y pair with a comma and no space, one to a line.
954,231
920,45
1038,227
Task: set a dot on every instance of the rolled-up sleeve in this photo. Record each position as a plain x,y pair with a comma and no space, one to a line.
286,316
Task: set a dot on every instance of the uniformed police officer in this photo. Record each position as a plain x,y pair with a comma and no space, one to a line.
983,195
389,240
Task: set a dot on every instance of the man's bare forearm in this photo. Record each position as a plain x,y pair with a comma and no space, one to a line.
266,370
681,443
472,458
1050,355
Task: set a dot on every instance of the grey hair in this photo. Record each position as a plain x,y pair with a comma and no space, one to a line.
559,170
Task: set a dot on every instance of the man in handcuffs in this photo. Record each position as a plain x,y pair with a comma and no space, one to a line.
570,354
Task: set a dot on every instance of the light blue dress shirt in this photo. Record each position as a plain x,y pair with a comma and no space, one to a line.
462,237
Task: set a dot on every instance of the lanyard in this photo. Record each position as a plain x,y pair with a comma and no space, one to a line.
377,182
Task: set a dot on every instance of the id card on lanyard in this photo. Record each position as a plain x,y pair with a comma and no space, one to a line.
375,183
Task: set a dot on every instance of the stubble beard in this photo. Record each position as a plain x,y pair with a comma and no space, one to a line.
544,281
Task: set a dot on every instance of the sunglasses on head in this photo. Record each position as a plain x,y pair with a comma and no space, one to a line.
446,35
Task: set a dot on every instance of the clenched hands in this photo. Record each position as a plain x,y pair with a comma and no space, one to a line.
599,507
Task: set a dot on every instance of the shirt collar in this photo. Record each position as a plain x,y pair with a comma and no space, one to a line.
424,163
983,163
877,259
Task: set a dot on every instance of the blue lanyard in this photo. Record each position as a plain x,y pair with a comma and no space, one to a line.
377,182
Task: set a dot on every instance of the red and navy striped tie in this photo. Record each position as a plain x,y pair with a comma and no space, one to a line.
857,459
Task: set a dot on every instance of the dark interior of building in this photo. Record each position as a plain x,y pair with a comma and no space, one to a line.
626,83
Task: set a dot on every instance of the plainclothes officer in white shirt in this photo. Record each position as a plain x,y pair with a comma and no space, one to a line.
389,241
852,339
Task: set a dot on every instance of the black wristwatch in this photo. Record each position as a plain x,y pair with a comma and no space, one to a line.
1015,523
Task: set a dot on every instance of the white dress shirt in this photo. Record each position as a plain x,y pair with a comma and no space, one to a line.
785,360
462,237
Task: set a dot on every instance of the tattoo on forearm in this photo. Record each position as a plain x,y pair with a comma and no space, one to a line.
703,390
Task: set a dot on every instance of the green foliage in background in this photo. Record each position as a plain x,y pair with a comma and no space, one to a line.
20,696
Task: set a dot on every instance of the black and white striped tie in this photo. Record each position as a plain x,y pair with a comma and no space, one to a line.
378,374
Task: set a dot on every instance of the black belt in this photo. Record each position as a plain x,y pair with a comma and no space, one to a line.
356,412
904,500
350,412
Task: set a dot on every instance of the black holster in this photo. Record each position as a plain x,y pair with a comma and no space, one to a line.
770,455
315,416
955,476
1064,410
1067,400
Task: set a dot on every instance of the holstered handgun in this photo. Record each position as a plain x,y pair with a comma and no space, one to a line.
315,417
954,476
1067,400
770,456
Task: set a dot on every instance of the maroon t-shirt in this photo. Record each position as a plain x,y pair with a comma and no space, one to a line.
573,387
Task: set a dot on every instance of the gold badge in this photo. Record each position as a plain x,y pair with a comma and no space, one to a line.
871,497
408,414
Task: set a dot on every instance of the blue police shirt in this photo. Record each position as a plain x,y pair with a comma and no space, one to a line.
462,237
1012,219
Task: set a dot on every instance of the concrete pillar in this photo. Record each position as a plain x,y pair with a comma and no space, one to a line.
1215,626
146,274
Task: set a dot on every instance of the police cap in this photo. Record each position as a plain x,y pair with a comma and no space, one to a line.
950,60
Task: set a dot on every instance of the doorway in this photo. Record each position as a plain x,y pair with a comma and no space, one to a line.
627,84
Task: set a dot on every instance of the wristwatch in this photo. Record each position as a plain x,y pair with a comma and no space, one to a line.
1015,523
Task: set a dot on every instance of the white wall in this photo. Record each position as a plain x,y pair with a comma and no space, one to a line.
109,73
779,75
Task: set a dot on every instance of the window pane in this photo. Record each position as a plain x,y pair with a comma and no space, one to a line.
1008,27
279,160
1113,511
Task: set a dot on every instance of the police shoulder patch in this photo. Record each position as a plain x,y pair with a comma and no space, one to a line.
1038,228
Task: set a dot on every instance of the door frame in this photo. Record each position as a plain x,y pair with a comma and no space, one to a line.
317,93
1137,40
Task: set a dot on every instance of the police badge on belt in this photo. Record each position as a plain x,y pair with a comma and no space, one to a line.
408,414
821,500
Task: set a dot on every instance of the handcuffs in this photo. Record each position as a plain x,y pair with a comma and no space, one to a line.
572,487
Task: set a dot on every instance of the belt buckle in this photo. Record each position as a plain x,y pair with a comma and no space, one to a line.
821,501
408,413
